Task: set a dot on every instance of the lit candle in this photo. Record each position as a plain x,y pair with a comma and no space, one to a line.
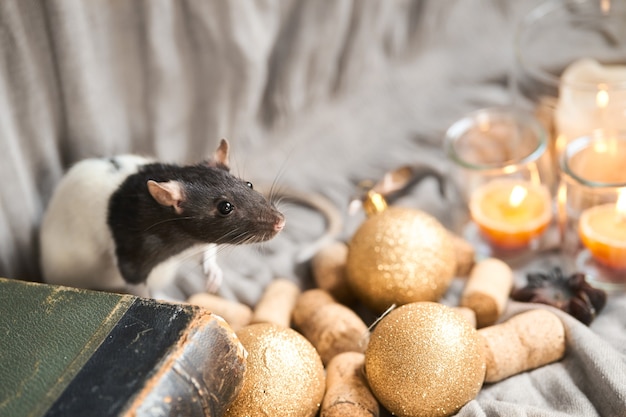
511,213
592,97
602,230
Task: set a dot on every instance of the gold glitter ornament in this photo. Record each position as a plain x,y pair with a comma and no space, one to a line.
284,374
398,256
424,360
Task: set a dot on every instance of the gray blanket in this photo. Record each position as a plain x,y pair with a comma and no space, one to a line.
315,96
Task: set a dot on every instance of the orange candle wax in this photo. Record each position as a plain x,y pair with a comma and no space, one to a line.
511,213
602,230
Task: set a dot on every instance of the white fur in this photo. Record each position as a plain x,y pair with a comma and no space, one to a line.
77,247
211,270
76,244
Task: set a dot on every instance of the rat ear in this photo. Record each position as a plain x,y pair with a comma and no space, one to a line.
220,157
168,193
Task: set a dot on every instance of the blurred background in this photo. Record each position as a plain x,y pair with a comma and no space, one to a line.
313,95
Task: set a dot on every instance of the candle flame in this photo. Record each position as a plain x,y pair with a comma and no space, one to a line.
509,169
606,145
602,96
560,143
605,6
600,146
518,194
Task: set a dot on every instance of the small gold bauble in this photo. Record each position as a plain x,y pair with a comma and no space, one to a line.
423,359
399,256
284,374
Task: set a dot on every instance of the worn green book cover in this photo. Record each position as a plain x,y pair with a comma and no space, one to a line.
73,352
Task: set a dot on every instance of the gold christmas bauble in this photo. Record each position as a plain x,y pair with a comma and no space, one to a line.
399,256
284,374
424,360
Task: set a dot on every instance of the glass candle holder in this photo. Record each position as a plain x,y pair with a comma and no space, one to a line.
592,207
570,68
500,178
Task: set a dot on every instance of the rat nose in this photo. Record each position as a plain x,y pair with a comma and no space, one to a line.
279,224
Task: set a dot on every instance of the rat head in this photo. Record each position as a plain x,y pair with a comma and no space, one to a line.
213,206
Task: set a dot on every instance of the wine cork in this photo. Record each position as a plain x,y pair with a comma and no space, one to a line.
276,303
524,342
347,391
467,313
328,268
236,314
309,302
487,290
465,253
330,326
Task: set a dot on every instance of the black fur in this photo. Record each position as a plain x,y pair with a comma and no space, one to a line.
146,232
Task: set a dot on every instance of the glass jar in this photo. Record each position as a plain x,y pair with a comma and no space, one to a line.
570,68
500,180
592,208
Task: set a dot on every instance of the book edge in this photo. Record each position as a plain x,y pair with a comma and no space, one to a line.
172,363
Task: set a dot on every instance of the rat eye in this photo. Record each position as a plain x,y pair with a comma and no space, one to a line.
225,208
249,184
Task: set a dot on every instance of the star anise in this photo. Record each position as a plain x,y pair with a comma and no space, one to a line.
572,294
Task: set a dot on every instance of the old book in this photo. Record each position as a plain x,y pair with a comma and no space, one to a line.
71,352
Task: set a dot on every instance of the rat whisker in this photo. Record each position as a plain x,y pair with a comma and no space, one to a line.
193,252
278,198
233,236
281,170
221,249
153,225
247,238
274,191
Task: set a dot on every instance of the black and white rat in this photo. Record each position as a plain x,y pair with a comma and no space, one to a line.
112,222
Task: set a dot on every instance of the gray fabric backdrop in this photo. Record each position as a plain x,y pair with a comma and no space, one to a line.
313,95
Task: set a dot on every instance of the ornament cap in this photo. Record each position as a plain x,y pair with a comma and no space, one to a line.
374,203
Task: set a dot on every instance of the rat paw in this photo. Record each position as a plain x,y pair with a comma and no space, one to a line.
214,276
